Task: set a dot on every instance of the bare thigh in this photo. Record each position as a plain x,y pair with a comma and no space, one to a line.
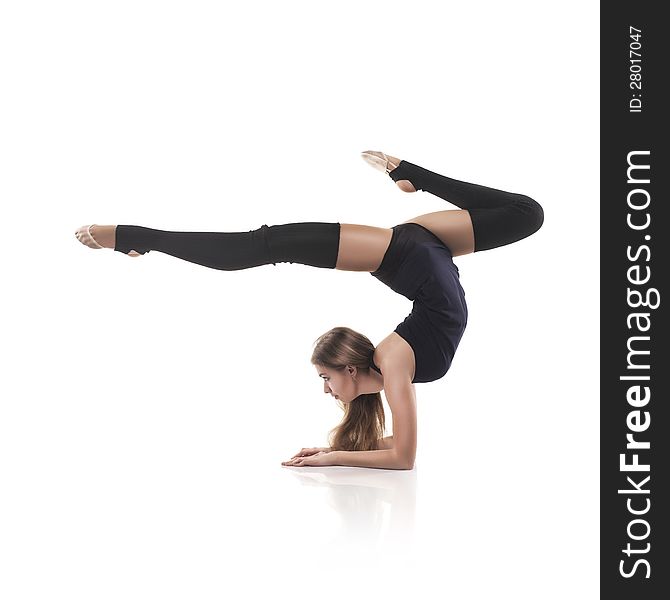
453,227
362,247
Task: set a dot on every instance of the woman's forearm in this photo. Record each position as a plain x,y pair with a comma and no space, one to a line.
380,459
386,443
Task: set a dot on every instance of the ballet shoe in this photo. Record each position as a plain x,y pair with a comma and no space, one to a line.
386,164
379,161
84,235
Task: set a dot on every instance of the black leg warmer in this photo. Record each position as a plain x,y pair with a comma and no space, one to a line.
314,244
498,218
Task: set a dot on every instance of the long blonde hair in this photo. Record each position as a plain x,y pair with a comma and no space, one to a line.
363,424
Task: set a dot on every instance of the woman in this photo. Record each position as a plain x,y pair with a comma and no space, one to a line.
413,259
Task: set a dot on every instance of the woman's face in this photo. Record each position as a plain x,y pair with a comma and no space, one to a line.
338,383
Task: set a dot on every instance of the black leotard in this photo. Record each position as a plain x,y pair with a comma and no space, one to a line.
420,267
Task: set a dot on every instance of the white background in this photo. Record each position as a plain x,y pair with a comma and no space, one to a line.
147,403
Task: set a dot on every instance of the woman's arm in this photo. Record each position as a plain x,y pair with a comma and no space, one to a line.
402,451
379,459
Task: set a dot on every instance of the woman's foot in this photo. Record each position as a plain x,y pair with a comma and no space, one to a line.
386,163
99,236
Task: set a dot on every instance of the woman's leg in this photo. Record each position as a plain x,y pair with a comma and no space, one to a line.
490,217
345,247
453,227
314,244
362,247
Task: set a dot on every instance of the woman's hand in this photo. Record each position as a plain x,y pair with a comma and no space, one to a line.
310,451
307,458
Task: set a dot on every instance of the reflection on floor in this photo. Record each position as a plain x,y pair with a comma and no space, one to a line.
376,507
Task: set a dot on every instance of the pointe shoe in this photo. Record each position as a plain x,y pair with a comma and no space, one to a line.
380,161
84,235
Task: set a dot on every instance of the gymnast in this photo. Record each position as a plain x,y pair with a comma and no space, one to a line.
413,258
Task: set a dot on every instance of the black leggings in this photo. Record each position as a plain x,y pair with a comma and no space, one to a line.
498,218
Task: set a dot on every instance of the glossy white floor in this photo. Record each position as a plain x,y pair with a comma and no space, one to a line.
147,403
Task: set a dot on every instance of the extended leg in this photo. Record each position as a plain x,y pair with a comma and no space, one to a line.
314,244
346,247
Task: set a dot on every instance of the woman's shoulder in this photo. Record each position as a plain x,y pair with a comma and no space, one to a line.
394,353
